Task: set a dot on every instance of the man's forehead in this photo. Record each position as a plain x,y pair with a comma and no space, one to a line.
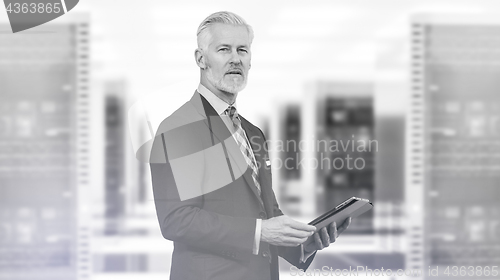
229,34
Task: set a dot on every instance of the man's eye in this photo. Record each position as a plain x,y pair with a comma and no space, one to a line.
223,49
243,50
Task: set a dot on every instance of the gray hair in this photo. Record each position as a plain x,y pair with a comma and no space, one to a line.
219,17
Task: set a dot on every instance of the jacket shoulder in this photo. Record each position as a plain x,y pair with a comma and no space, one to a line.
185,115
180,118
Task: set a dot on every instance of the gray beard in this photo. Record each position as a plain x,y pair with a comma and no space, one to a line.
223,86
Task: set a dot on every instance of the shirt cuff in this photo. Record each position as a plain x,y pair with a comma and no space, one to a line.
303,255
256,241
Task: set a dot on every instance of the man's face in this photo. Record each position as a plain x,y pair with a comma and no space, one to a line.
227,57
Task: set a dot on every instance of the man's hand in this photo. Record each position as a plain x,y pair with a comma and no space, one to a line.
284,231
324,236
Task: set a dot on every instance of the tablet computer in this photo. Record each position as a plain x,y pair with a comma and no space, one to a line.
352,207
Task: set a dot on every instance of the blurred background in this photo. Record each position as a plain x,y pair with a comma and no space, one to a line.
418,80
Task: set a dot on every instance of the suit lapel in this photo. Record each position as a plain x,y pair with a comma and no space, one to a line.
220,132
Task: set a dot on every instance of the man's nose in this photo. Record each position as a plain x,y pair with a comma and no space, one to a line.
235,58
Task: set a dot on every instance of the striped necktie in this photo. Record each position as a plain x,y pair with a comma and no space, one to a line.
242,141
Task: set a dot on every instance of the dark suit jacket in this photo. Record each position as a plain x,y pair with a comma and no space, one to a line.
214,233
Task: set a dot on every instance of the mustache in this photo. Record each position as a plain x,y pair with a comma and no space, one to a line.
235,70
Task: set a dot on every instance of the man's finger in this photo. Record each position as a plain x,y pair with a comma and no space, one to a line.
347,223
301,226
310,247
324,237
344,225
317,241
332,232
297,233
335,232
292,241
298,241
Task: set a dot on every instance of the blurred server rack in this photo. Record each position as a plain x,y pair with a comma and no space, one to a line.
389,212
342,147
126,239
337,115
390,107
453,146
44,151
115,161
287,150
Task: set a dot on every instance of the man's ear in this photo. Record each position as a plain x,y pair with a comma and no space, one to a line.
200,58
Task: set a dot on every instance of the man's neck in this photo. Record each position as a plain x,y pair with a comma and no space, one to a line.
227,97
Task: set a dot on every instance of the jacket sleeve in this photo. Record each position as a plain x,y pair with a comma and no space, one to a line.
187,222
290,254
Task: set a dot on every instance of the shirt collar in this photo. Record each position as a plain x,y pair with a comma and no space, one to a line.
218,104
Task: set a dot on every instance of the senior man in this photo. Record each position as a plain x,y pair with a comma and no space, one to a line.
212,178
